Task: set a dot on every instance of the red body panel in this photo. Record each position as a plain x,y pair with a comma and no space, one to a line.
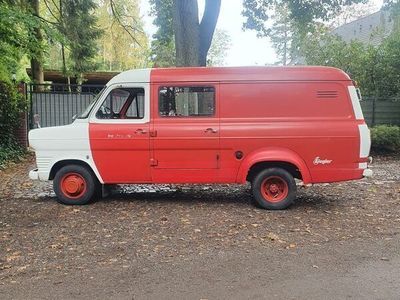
121,152
289,115
183,147
292,115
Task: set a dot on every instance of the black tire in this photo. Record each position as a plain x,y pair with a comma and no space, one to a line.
83,177
286,193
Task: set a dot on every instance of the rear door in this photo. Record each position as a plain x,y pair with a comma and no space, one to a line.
185,141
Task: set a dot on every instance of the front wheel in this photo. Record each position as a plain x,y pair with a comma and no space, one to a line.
274,189
74,185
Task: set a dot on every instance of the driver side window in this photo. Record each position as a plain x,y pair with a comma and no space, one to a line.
123,103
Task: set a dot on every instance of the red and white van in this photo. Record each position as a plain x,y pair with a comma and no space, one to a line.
265,125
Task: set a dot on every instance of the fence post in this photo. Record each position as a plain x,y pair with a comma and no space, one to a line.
373,111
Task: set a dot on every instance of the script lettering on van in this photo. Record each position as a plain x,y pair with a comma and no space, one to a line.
319,161
119,136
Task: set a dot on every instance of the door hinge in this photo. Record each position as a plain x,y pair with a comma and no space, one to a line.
153,162
153,133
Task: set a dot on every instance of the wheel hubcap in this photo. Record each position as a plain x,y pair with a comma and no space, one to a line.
274,189
73,185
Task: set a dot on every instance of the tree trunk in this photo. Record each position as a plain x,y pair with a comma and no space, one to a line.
37,71
193,39
36,62
187,35
207,28
64,62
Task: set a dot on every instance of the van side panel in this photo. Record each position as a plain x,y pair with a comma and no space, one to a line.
314,120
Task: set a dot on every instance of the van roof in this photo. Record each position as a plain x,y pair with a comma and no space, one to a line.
216,74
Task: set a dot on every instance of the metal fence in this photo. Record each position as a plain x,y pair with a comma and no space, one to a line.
381,111
56,104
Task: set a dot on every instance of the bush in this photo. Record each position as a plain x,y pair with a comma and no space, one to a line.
12,104
11,152
385,138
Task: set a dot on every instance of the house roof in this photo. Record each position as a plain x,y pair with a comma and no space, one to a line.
56,76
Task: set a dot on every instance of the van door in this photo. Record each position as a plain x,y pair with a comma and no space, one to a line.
119,135
185,140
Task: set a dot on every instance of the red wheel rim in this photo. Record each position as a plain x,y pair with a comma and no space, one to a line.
73,185
274,189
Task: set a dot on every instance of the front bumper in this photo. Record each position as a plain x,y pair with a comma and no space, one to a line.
367,173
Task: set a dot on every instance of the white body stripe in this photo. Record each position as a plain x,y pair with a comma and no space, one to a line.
53,144
355,103
137,75
365,140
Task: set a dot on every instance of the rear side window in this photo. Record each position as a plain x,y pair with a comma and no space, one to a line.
123,103
188,101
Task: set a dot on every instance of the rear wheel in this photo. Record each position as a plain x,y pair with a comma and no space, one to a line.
274,188
74,185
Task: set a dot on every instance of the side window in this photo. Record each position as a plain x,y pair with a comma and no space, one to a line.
123,103
193,101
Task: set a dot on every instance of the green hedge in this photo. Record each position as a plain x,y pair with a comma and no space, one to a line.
385,138
12,104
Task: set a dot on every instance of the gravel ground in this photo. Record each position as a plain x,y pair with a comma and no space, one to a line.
148,227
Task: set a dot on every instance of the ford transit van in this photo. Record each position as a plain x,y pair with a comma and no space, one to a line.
270,126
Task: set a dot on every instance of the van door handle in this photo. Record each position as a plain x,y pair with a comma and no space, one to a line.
140,131
212,130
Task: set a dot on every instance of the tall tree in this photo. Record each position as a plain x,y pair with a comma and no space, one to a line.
163,43
19,28
37,59
193,37
303,13
80,28
281,34
296,19
124,44
178,21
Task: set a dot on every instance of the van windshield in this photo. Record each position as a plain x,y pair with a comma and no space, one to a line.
88,109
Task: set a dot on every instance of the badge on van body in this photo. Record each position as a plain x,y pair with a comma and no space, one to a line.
319,161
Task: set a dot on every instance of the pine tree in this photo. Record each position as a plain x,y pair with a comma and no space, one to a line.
79,26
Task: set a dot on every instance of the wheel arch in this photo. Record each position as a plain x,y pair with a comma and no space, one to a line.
65,162
273,157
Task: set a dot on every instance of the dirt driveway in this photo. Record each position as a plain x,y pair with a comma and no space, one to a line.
202,242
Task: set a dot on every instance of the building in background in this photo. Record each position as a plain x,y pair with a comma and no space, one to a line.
371,29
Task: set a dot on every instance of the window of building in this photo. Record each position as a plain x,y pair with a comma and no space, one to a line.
194,101
123,103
